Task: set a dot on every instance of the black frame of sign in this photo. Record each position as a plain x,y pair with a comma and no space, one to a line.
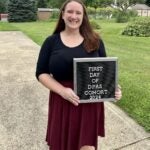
95,79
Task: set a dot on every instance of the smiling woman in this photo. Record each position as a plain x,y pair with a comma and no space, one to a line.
73,15
71,125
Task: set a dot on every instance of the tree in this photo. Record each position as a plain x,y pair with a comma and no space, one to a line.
42,3
3,6
123,5
55,3
123,14
97,3
147,2
22,10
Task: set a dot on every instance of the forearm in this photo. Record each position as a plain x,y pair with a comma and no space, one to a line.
50,83
67,93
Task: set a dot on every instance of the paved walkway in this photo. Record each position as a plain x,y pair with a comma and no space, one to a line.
23,104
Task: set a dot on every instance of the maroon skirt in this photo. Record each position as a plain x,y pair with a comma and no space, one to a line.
71,127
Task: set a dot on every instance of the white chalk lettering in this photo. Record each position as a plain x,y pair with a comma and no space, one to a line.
94,74
95,97
94,86
96,92
95,80
97,68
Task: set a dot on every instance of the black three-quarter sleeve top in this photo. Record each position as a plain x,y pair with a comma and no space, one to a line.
57,59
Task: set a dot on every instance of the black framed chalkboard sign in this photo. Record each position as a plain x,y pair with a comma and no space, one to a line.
95,79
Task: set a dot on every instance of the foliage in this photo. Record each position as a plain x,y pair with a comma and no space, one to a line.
147,2
97,3
122,13
3,6
22,10
55,3
122,16
139,27
100,12
94,24
55,15
42,3
123,5
132,13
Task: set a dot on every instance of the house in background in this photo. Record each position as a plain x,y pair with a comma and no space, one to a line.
45,13
142,9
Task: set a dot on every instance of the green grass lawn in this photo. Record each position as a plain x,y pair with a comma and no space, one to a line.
134,63
134,70
4,26
37,31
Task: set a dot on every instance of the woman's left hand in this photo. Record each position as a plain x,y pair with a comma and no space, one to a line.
118,93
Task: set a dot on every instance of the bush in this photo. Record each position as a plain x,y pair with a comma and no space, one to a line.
55,15
105,12
90,10
100,12
94,24
139,27
121,17
132,13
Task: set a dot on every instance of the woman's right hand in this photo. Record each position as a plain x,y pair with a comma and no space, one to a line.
69,94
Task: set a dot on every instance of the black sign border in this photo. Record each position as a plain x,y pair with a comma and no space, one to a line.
96,59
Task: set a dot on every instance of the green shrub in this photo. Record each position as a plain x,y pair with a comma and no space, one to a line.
106,12
95,25
139,27
55,15
122,17
90,10
132,13
100,12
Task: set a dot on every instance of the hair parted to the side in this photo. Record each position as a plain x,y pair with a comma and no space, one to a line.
91,38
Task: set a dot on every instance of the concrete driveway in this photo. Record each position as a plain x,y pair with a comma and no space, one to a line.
23,104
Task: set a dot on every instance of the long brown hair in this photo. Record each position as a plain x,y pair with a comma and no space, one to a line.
91,38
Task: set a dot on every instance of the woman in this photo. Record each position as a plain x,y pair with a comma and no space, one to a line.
71,126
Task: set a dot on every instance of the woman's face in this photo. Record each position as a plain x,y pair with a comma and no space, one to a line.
73,15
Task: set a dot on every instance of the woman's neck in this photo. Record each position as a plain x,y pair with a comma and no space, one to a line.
69,32
71,39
